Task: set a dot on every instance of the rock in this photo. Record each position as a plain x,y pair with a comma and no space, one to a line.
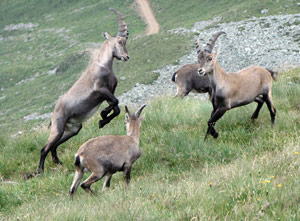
36,116
51,72
20,26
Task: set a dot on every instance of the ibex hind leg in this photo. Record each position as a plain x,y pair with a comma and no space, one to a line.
106,183
57,131
94,177
269,102
69,132
77,178
260,103
127,171
182,92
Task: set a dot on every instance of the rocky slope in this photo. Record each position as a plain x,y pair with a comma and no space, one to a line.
272,42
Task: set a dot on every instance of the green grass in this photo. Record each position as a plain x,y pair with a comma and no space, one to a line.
179,176
182,14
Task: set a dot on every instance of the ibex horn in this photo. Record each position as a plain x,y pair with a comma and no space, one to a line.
211,43
122,29
139,111
198,45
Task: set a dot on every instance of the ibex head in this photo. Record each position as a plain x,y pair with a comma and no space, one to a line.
209,60
203,53
133,121
119,42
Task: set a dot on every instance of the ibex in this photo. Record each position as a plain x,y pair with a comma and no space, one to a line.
106,155
232,90
187,77
96,84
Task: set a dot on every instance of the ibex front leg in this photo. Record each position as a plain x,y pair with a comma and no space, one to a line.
215,117
113,106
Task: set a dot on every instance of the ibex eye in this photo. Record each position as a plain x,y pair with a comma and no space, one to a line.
209,59
120,42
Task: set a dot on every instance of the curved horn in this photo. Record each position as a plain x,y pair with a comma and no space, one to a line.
198,45
139,111
127,111
211,43
122,29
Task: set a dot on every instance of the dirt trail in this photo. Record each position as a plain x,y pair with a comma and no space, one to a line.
145,11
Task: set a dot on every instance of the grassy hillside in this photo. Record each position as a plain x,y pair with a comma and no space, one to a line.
29,57
250,172
182,14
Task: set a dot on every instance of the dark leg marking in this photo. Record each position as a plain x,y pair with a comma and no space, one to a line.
216,116
271,109
113,105
86,185
116,112
127,171
259,106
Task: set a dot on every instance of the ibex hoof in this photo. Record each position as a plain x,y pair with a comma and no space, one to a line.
215,135
101,123
38,171
27,176
57,161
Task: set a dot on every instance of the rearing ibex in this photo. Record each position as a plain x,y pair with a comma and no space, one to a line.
187,77
96,84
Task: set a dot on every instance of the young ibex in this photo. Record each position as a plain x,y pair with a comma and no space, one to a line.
96,84
232,90
106,155
187,77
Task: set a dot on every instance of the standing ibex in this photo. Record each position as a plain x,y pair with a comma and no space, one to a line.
232,90
108,154
187,77
96,84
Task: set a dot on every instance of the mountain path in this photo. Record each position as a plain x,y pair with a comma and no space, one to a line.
148,16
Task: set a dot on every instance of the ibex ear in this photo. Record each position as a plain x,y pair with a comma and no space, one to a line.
127,118
217,53
106,35
126,109
219,49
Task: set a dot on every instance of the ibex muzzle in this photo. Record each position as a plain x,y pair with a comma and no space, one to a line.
97,84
